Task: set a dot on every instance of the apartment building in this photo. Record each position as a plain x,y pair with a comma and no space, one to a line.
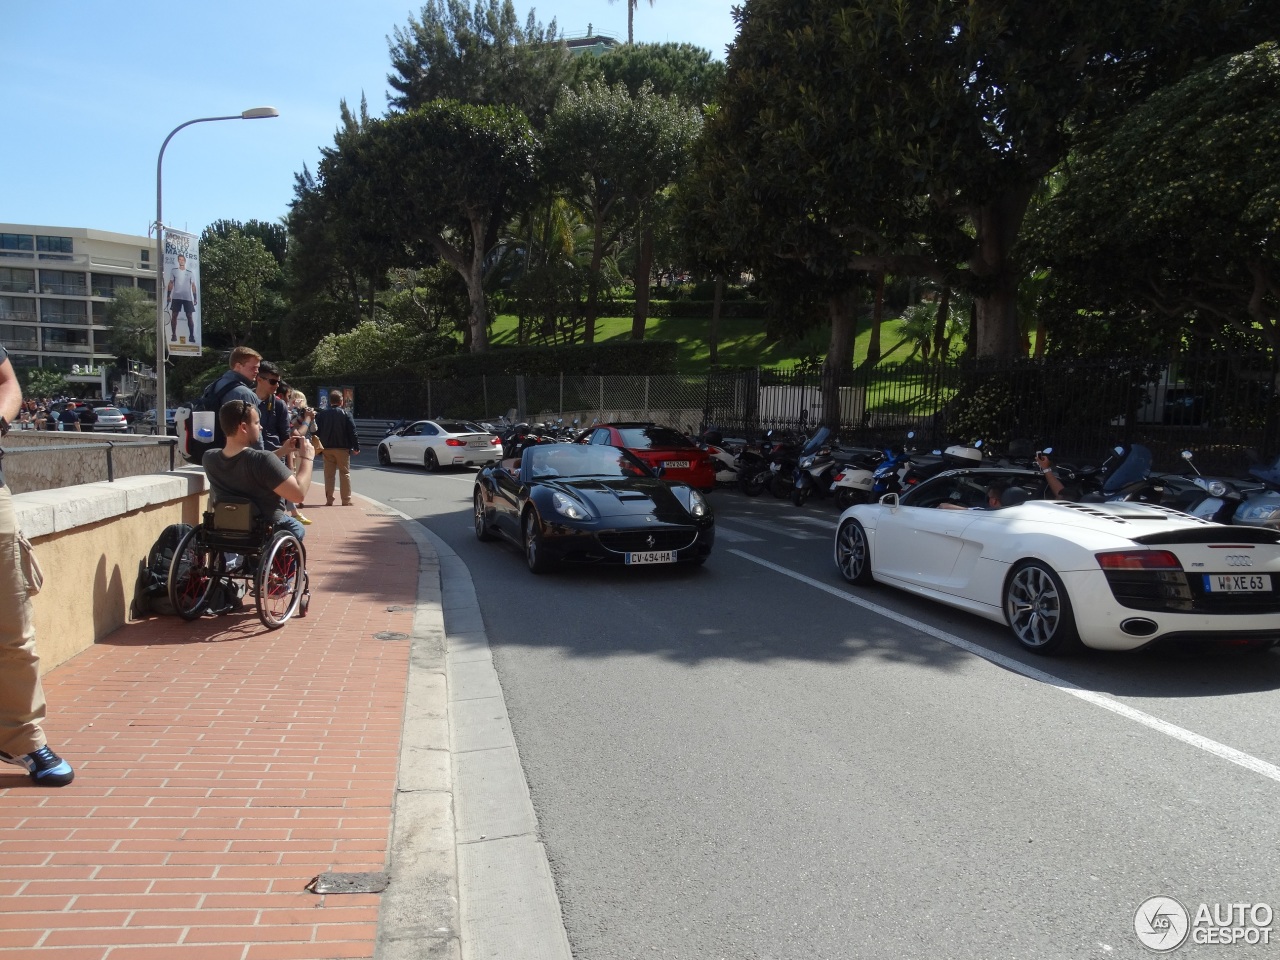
55,286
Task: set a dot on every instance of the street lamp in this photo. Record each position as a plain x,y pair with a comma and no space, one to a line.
253,113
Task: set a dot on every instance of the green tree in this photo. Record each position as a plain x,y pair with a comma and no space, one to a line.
132,316
479,55
614,154
38,382
1174,213
431,182
887,135
236,273
680,70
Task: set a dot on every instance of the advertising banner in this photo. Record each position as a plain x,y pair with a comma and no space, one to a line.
182,292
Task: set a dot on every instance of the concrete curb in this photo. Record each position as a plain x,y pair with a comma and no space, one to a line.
470,878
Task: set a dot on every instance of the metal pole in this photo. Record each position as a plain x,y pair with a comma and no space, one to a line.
256,113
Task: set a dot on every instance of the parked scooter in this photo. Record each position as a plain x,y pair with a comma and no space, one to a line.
815,469
755,465
724,454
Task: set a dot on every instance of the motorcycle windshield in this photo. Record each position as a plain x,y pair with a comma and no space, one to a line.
819,439
1269,474
1135,466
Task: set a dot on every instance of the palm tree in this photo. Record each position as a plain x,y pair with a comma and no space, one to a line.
631,19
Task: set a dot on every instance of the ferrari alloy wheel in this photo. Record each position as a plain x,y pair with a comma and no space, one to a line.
430,462
534,554
384,455
853,553
1038,609
481,519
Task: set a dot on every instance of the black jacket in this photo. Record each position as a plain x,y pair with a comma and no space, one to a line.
335,429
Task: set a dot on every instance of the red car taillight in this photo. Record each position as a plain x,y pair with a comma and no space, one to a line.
451,442
1139,560
496,441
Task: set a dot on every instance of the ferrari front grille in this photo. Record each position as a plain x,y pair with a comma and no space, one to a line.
639,541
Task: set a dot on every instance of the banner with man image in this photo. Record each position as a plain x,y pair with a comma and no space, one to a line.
182,292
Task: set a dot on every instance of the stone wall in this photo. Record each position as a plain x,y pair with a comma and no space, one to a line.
33,463
91,541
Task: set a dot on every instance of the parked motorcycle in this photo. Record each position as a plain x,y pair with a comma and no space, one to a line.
754,465
815,468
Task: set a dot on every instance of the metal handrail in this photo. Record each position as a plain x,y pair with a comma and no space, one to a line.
109,445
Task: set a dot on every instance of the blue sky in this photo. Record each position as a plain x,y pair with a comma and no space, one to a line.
91,88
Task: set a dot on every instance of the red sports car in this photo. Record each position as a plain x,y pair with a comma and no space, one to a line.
680,458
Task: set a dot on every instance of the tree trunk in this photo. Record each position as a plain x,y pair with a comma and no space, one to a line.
877,315
644,266
997,224
940,343
479,320
593,281
844,334
713,335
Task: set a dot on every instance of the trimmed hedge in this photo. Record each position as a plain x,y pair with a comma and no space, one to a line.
634,357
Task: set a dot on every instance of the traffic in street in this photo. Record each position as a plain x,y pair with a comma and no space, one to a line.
753,759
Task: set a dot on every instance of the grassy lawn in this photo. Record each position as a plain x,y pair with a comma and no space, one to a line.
742,342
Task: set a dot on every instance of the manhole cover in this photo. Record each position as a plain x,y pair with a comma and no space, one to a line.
399,608
349,883
390,635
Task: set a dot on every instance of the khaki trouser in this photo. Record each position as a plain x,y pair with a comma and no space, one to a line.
339,461
21,695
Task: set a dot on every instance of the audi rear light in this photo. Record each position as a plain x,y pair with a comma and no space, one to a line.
453,442
1139,560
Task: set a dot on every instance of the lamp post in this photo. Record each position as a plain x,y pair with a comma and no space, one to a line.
254,113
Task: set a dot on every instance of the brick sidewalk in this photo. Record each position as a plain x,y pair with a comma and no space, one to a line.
219,767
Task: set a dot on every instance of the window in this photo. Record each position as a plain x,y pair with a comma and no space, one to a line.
17,241
15,280
17,308
19,338
106,284
66,341
53,244
144,256
64,311
65,282
98,311
148,285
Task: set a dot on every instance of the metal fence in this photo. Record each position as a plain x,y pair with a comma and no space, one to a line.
1223,406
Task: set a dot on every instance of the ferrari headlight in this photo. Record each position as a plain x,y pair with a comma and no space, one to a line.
697,504
569,508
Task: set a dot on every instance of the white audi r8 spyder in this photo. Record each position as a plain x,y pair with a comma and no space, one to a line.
1115,576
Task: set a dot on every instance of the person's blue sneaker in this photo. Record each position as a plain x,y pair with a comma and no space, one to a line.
45,767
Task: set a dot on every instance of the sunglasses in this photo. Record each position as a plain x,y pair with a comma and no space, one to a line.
274,382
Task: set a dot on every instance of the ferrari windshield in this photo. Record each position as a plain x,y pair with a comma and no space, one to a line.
580,460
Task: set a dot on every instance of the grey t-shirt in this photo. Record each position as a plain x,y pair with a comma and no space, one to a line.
252,474
4,355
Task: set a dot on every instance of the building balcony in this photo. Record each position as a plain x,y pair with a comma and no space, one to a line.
17,316
65,289
56,347
17,286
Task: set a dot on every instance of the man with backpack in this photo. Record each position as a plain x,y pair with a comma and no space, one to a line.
236,384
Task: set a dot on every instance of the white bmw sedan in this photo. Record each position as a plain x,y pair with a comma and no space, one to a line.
440,443
1114,576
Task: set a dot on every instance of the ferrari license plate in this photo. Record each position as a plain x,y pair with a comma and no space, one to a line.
677,464
1237,582
652,556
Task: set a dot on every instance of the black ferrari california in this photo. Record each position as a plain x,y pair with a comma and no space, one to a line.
590,504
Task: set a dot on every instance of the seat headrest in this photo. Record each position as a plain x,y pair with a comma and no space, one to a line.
1014,497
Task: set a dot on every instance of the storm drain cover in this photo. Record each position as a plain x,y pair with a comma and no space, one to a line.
390,635
404,499
349,883
399,608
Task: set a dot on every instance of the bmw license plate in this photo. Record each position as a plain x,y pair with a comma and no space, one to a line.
677,464
1237,582
477,443
652,556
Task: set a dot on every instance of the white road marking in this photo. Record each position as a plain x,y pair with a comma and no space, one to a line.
777,528
1220,750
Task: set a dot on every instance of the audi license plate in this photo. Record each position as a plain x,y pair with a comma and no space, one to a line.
1237,582
652,556
677,464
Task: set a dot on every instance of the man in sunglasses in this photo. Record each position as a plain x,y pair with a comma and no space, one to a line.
273,411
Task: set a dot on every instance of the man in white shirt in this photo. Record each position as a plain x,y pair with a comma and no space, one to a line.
180,296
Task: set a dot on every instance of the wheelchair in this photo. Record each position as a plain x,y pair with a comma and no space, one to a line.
273,564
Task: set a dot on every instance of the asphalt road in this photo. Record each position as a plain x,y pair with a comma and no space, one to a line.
740,761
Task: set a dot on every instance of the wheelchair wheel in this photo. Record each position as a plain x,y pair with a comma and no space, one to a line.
193,571
281,580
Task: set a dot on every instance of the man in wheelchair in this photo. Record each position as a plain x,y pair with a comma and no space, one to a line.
241,471
246,534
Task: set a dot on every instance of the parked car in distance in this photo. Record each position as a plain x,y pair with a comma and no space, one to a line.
681,460
590,504
439,443
110,420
